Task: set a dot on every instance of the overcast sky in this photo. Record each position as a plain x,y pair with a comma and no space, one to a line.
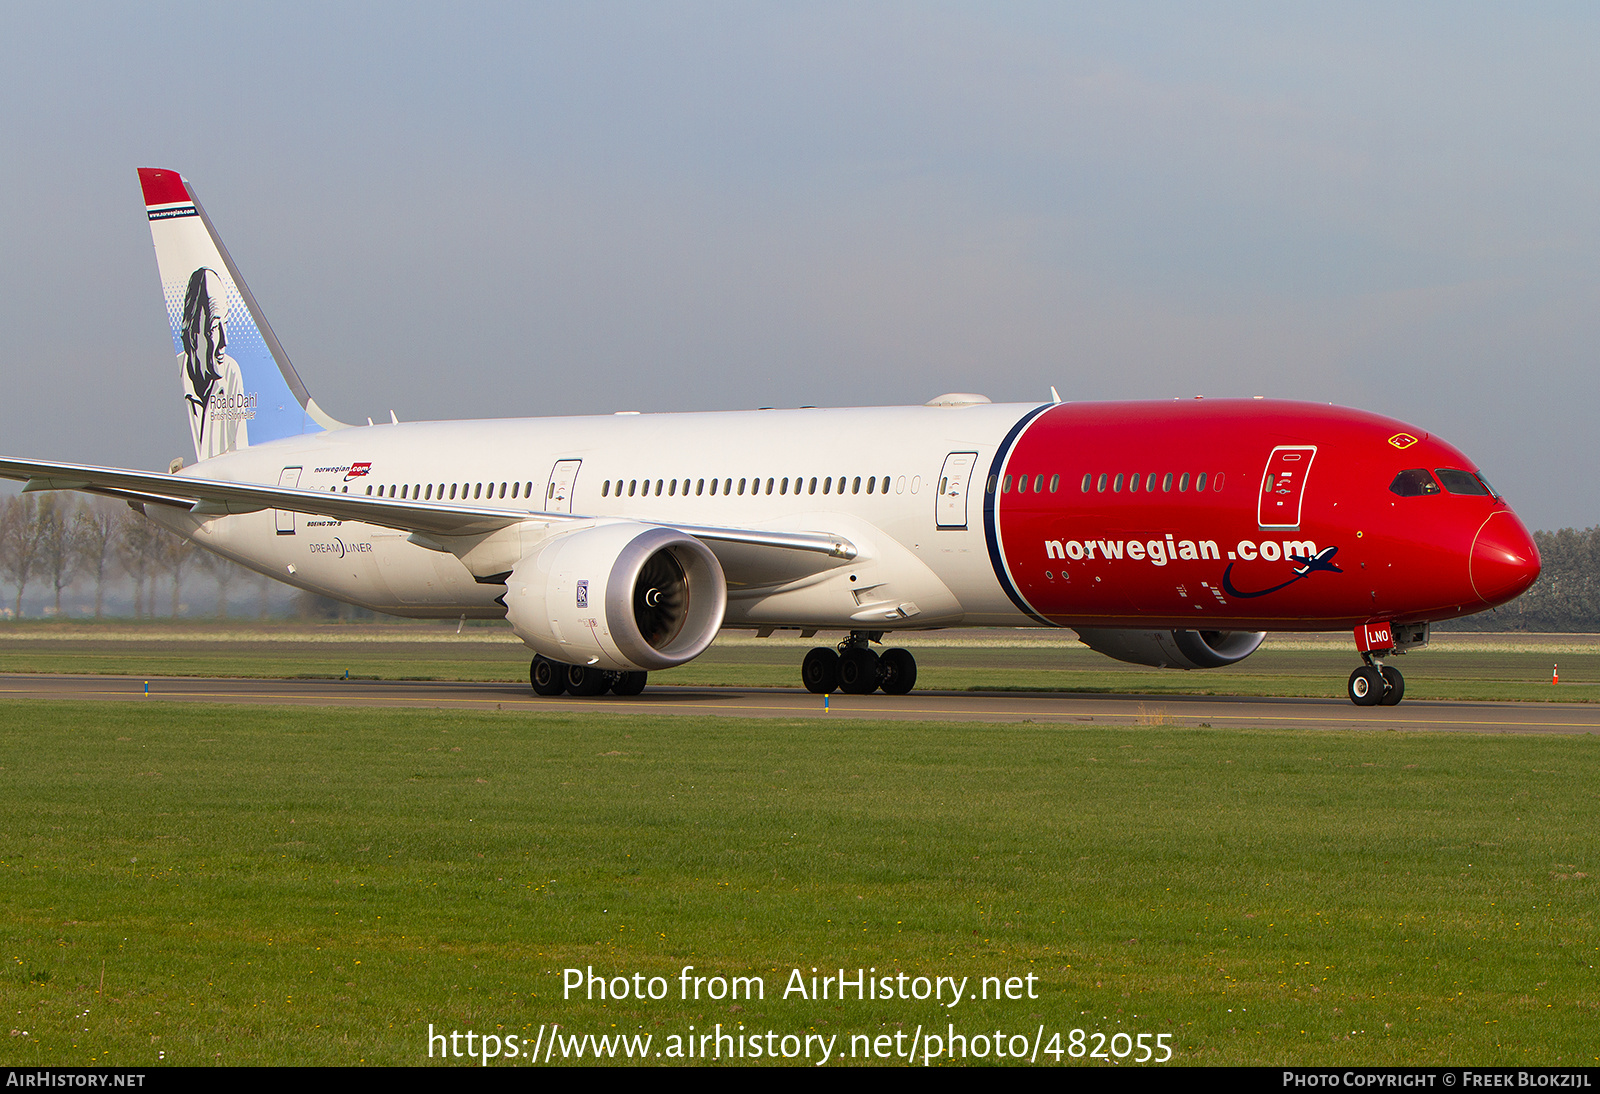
464,211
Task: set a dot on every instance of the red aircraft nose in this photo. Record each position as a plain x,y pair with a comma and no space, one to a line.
1504,560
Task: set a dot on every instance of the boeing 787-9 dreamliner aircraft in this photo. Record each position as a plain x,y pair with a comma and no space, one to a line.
1163,533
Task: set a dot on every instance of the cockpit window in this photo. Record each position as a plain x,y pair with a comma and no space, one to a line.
1462,482
1414,483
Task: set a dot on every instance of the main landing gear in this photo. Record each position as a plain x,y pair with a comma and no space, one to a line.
855,670
1377,683
551,678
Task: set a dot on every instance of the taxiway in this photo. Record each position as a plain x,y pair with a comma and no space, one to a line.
1042,707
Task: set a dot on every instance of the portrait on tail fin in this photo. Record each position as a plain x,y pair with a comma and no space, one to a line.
212,382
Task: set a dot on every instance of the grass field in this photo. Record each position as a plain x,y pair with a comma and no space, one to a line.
1457,666
197,885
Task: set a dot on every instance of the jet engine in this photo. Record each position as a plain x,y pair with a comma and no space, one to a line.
1173,649
623,596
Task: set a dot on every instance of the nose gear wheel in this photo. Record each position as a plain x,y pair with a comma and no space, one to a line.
1377,685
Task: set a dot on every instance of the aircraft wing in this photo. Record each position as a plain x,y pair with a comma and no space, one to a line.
219,497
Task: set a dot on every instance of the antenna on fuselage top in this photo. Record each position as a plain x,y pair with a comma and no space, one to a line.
1055,396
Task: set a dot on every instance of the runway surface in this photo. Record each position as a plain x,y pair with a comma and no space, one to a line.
1148,710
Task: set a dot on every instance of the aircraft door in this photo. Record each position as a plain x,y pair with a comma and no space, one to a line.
285,517
1283,486
558,492
950,509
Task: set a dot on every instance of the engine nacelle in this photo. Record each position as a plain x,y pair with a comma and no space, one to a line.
1173,649
620,596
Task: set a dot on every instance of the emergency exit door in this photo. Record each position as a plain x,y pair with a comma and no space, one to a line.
1283,486
950,508
558,492
285,517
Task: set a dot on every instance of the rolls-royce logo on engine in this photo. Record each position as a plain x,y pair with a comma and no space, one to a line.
583,594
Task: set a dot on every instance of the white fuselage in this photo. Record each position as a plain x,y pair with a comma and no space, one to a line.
873,475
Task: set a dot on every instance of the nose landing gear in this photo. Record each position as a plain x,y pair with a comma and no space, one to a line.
1376,683
856,670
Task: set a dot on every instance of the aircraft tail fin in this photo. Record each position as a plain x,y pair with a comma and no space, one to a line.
239,387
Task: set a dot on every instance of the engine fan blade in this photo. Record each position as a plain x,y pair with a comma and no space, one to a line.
661,599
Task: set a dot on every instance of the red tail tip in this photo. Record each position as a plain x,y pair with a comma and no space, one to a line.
162,187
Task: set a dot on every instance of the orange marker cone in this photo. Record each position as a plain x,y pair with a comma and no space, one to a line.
1555,674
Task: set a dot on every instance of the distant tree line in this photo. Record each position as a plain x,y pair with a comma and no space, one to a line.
56,541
